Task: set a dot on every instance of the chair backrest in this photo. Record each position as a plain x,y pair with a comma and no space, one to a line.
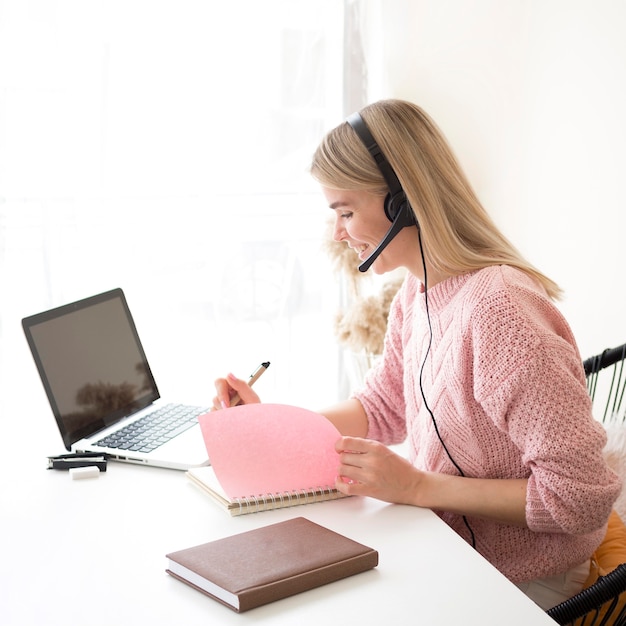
606,383
598,604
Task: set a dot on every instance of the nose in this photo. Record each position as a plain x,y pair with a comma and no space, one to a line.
339,232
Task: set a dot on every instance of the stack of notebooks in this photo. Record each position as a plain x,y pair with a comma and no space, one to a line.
267,456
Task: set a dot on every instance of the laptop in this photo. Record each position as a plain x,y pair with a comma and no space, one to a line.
99,382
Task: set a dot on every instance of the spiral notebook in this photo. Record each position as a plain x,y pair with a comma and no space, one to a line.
205,478
267,456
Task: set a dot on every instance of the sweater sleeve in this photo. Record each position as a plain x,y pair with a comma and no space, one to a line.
382,395
534,389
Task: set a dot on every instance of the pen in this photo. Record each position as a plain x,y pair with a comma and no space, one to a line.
253,378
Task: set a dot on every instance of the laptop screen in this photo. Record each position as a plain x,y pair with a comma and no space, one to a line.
91,363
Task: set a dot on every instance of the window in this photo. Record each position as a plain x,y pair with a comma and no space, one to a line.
162,146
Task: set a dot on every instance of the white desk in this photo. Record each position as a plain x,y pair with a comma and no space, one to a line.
93,551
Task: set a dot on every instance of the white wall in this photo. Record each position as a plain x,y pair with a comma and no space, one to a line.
532,96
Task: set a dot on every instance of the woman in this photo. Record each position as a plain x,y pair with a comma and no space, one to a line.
480,372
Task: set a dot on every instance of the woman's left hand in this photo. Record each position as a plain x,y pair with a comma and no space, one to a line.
369,468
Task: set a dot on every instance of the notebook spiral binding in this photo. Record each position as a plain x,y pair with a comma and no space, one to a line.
256,504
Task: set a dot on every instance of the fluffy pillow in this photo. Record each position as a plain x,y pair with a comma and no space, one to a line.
615,455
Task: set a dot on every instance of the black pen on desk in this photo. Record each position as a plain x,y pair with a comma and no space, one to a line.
253,378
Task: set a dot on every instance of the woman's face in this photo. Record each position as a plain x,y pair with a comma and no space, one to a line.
360,222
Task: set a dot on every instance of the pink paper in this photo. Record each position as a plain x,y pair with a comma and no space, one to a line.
262,449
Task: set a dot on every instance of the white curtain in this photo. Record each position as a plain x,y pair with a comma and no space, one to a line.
162,146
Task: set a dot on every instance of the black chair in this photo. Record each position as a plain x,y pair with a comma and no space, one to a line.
598,605
609,386
601,604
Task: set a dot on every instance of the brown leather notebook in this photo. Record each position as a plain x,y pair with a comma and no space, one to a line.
256,567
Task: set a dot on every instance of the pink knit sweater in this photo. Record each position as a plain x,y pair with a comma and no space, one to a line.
505,383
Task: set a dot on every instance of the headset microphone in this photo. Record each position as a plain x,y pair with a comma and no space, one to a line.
397,207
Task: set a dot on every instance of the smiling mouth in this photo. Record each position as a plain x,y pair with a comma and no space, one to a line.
361,250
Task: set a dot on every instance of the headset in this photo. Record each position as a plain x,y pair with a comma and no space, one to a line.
397,207
399,211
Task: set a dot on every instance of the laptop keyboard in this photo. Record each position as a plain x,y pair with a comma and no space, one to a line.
154,429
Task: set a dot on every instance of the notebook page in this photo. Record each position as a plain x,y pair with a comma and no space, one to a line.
258,449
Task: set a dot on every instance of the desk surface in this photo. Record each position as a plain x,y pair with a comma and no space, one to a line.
94,550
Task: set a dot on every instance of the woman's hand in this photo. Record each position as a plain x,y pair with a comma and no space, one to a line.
232,391
369,468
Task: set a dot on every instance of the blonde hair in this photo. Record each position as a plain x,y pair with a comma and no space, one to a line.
457,233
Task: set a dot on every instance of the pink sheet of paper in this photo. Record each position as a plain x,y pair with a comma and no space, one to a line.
262,449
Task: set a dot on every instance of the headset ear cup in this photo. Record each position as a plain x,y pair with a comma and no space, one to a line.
390,209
